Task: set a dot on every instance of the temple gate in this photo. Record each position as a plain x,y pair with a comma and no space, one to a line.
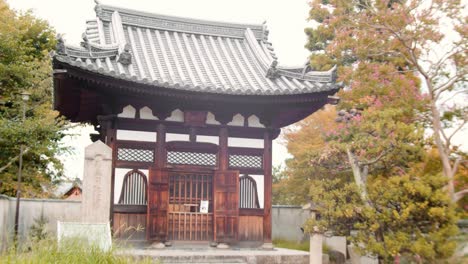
190,109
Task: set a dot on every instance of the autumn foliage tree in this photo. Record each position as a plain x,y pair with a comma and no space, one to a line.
425,39
394,205
25,43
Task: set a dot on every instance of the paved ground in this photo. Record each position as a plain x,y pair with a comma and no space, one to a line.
202,253
213,252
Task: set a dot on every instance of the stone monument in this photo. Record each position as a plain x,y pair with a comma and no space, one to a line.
95,205
94,228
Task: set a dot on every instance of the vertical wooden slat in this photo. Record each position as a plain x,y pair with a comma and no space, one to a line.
178,226
196,189
184,228
173,225
130,189
180,190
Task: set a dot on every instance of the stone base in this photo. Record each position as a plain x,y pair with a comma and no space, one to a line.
268,246
213,244
157,245
227,256
168,243
222,246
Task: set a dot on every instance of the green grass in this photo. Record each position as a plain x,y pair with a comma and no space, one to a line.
283,243
47,251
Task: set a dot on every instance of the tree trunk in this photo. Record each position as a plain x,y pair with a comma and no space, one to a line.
443,151
360,176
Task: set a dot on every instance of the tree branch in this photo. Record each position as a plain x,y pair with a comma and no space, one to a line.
453,95
460,194
12,160
379,157
457,163
447,85
455,131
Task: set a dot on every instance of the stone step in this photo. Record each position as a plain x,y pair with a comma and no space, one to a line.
211,262
201,260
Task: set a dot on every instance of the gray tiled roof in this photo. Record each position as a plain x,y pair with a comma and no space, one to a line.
188,54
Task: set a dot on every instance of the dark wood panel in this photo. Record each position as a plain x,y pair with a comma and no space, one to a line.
158,200
254,171
245,151
135,144
130,226
226,206
132,164
250,228
192,146
251,212
130,209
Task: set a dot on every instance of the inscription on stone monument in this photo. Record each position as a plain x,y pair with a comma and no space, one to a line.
97,183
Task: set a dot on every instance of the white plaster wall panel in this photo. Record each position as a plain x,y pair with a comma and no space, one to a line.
128,112
254,121
177,137
176,116
147,113
245,142
136,135
211,120
237,120
118,183
208,139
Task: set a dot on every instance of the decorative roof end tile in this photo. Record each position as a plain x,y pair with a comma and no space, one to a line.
272,72
60,47
265,31
98,7
125,57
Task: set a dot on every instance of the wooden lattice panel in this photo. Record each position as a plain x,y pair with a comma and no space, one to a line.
246,161
190,226
191,158
137,155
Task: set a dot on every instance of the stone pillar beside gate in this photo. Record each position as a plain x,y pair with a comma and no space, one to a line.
94,227
316,246
95,206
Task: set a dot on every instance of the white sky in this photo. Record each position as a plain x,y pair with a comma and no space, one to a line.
286,20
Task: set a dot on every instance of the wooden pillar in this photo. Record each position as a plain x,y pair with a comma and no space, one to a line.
160,150
223,162
267,185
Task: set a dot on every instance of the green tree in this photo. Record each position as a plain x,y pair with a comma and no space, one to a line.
411,215
25,66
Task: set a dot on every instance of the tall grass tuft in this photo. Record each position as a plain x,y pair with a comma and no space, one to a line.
283,243
69,251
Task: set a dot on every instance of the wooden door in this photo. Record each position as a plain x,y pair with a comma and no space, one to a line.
226,206
186,191
158,200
